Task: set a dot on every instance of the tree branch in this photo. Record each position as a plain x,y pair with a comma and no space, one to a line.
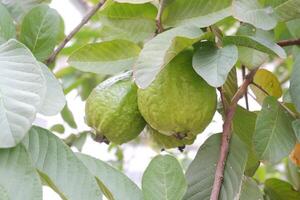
159,25
89,15
226,136
285,43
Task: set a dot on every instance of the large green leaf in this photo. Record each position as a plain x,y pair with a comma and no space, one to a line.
164,179
22,90
19,8
134,22
40,30
119,185
18,177
109,57
159,51
213,64
280,190
54,100
201,172
295,83
200,13
250,190
59,167
257,43
296,127
7,27
288,10
274,137
253,13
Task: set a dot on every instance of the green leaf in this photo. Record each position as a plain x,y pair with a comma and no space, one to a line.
18,8
159,51
293,174
214,64
118,184
109,57
164,179
201,172
54,100
230,87
274,137
199,13
280,190
134,22
295,83
18,177
250,190
133,1
296,127
60,167
267,81
40,30
288,10
7,27
58,128
257,43
22,90
68,117
253,13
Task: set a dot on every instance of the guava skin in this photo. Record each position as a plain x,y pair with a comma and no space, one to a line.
168,142
178,102
112,111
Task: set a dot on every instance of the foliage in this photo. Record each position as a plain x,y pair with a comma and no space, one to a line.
175,55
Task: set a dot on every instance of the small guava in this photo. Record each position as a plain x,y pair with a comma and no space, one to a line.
168,142
178,102
295,155
112,110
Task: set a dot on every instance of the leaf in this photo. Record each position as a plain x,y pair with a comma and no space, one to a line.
230,87
201,172
288,10
60,167
133,1
21,92
214,64
295,83
55,99
134,22
163,179
68,117
159,51
119,185
296,127
257,43
273,138
18,177
250,190
253,13
58,128
110,57
280,190
19,8
199,13
268,82
293,174
40,30
7,27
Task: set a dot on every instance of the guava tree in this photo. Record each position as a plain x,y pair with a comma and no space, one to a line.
158,68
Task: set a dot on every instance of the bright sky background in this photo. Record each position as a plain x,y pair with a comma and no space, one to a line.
136,158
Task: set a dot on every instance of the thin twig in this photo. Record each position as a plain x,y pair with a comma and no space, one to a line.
159,25
246,94
89,15
226,136
285,43
224,103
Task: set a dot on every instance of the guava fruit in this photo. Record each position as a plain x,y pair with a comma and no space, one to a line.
112,110
168,142
295,155
178,102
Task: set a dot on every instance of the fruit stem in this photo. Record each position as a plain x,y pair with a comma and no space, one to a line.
226,136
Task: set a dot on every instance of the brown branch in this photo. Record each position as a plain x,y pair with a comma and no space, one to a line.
226,136
285,43
246,94
89,15
159,25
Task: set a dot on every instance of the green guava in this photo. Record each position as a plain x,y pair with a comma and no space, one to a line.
168,142
112,110
178,102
